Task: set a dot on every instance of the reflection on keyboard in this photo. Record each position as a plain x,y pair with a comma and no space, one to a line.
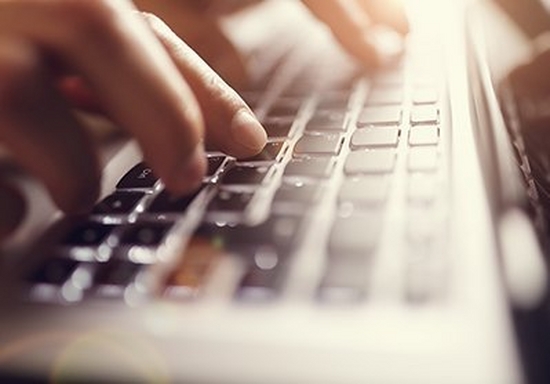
351,169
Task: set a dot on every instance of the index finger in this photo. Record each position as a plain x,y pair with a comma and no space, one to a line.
112,48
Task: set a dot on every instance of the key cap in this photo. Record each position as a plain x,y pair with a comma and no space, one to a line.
119,203
242,175
422,188
364,191
276,128
189,276
319,145
260,282
423,159
425,95
368,162
88,234
327,121
167,203
383,115
310,167
285,107
272,151
425,114
385,96
356,234
345,280
145,234
424,135
333,101
278,232
228,201
375,137
214,163
117,273
54,271
305,194
140,176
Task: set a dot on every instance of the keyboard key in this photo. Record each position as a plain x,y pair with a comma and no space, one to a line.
422,188
375,137
141,176
364,191
389,78
54,271
168,203
345,280
145,234
285,107
278,128
310,167
260,282
425,114
383,115
119,203
425,95
333,101
214,163
277,232
356,234
385,96
319,145
327,121
228,201
88,234
424,135
367,162
305,194
242,175
189,276
423,159
117,273
273,151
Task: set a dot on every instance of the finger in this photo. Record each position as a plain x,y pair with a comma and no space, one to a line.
37,127
213,46
110,45
196,26
349,24
388,12
231,125
12,210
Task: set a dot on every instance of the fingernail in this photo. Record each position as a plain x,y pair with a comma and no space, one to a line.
190,174
248,131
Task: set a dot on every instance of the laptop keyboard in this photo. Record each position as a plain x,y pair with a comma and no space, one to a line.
340,164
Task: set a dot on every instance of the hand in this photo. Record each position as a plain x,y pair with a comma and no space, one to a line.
351,22
145,79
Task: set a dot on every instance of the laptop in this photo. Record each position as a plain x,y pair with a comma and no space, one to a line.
384,235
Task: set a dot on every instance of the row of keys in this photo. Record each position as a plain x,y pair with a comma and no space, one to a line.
392,115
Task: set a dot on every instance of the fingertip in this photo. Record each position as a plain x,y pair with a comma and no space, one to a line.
247,131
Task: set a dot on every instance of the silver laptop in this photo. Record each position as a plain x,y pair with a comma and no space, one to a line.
380,237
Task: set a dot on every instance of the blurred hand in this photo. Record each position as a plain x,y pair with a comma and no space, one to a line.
351,22
135,70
